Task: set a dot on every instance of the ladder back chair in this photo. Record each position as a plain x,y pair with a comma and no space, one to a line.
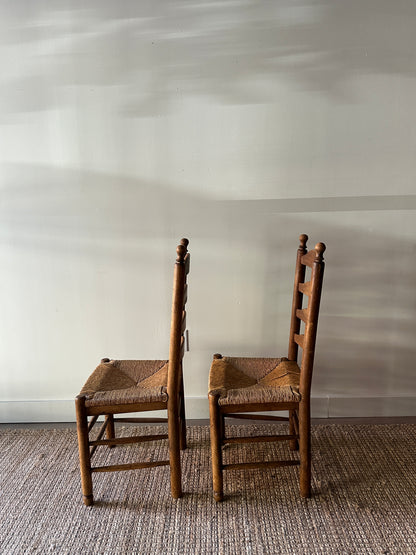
239,385
126,386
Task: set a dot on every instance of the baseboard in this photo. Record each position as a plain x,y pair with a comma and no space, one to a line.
197,408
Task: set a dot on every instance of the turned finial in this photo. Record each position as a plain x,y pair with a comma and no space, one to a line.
303,238
320,249
181,252
217,356
185,242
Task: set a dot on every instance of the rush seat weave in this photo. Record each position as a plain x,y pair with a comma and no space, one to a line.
254,380
117,382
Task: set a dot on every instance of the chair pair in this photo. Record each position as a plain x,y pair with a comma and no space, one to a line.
236,386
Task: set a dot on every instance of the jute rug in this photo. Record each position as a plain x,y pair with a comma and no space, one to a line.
364,501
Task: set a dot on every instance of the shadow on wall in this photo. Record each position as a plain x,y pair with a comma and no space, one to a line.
149,56
97,215
243,260
368,314
157,53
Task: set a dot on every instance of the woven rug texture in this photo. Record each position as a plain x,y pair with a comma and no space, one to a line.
364,496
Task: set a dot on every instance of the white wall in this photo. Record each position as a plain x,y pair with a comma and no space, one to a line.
125,126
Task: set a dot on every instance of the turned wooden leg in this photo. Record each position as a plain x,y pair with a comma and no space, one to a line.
216,453
182,418
110,431
305,449
84,450
222,428
174,452
293,430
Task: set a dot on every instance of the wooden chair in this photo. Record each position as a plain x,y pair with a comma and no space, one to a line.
125,386
249,385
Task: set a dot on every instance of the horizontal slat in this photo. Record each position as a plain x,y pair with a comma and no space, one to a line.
187,263
140,420
185,294
132,439
183,321
259,439
309,258
299,339
262,464
306,288
127,407
258,407
182,346
132,466
257,417
302,314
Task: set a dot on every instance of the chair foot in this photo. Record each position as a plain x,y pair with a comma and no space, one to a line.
175,484
84,450
88,500
174,433
216,420
305,479
218,496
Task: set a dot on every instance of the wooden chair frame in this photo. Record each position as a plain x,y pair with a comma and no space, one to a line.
299,412
175,404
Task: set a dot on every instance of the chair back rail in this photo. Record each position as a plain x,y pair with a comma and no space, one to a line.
308,315
178,322
297,299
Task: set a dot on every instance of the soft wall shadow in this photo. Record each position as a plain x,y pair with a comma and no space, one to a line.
158,53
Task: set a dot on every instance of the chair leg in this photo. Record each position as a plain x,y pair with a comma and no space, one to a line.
293,443
84,450
182,418
222,428
305,449
174,453
110,431
216,453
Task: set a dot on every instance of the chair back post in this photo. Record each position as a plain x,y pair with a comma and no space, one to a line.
308,353
297,298
177,342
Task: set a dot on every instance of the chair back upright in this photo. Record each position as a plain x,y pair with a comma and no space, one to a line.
310,289
178,321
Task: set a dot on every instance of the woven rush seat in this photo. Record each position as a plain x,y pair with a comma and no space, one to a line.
254,380
127,381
